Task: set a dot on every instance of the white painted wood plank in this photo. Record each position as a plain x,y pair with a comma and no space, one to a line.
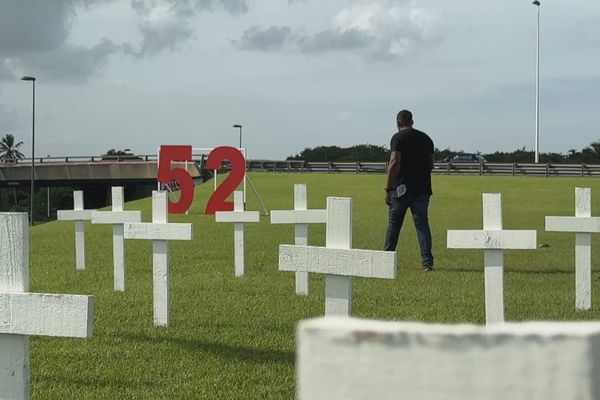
583,271
115,217
14,367
238,244
301,239
79,245
573,224
74,215
492,211
160,282
117,199
238,201
237,216
348,359
339,223
298,216
345,262
78,200
158,231
300,197
492,239
338,295
46,314
301,233
583,202
119,258
338,236
160,207
494,286
14,252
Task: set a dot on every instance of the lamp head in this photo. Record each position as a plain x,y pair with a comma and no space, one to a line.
536,3
237,126
28,78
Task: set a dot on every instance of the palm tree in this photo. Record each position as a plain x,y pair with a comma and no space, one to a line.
9,150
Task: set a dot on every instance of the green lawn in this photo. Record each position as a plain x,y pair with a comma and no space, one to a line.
234,338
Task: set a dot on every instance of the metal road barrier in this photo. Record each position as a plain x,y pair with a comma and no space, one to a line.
514,169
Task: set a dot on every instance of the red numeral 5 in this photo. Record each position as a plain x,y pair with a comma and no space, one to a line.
166,175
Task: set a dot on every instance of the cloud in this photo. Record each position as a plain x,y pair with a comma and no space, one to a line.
372,31
67,63
33,37
273,38
167,23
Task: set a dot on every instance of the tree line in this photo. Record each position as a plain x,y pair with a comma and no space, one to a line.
374,153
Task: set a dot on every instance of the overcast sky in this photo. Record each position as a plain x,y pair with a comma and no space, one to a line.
297,73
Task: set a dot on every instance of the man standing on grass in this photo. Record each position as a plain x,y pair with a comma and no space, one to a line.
409,185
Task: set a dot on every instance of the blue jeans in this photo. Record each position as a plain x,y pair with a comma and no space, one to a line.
418,205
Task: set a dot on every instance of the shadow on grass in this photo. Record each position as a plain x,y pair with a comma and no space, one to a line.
511,270
238,353
92,382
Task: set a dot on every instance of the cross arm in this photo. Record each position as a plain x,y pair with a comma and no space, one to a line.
74,215
115,217
492,239
573,224
237,216
346,262
157,231
298,216
46,314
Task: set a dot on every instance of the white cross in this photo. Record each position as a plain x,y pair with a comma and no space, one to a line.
338,260
239,217
300,216
351,359
583,224
79,215
494,240
23,314
160,232
117,217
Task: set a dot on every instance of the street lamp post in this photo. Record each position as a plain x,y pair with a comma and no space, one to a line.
537,86
240,127
32,80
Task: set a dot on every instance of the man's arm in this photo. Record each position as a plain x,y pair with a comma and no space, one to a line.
393,173
431,162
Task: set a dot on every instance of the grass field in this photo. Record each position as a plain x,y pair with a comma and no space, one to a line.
234,338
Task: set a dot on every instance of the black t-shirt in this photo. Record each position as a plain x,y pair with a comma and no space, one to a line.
415,149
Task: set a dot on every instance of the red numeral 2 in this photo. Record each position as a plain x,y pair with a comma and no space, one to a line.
166,175
218,200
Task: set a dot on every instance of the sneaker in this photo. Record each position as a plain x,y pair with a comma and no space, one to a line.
427,268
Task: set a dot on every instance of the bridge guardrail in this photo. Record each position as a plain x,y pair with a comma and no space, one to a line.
514,169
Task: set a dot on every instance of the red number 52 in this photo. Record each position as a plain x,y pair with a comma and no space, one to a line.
218,200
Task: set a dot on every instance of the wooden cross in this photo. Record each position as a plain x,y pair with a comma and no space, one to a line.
300,216
350,359
23,314
583,224
79,215
160,232
239,217
493,240
117,217
338,260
